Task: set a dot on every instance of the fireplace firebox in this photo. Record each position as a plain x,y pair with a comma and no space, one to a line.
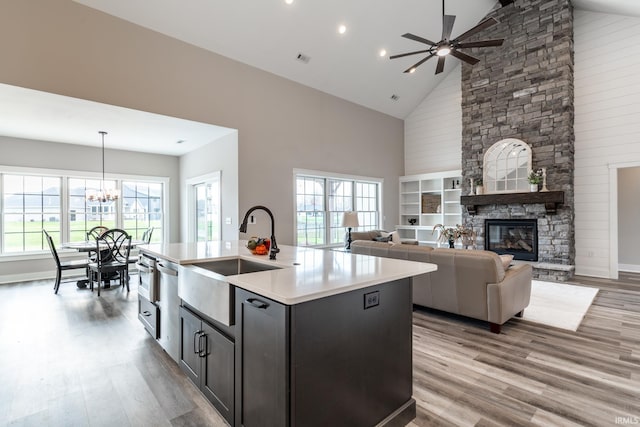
518,237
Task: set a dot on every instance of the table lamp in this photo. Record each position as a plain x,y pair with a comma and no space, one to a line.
350,220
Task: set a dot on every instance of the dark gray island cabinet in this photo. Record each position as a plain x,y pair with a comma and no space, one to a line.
316,338
343,360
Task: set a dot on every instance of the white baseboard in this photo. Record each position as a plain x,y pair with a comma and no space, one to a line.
629,268
37,275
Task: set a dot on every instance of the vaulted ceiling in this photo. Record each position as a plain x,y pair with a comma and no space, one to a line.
271,34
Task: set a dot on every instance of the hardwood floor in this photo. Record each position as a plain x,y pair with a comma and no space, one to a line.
73,359
532,374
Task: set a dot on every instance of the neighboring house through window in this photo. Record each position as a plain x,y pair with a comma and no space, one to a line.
35,200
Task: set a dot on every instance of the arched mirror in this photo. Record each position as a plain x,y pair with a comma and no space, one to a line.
506,166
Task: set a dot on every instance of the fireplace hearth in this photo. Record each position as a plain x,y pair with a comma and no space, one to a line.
518,237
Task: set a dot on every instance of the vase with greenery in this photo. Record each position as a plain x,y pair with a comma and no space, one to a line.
479,187
451,234
534,178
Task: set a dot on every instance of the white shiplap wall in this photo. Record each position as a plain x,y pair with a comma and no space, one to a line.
433,131
607,127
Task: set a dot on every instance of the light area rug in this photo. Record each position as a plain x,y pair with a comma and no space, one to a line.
559,304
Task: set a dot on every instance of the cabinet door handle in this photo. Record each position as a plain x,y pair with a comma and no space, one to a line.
257,303
203,348
196,350
146,313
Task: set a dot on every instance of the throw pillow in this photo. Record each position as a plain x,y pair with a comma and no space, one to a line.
382,239
395,238
384,234
506,261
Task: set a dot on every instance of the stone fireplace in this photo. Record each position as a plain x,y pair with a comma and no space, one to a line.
524,90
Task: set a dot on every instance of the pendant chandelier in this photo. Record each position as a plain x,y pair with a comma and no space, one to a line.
104,195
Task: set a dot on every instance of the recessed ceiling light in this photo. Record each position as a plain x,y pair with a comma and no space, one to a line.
288,1
342,29
180,141
383,52
413,70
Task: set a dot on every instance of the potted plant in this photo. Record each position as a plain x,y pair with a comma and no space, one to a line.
451,234
535,178
479,188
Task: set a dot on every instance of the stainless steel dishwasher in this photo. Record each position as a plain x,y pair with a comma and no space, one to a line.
169,303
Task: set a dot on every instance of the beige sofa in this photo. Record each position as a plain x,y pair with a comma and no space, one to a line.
467,282
375,235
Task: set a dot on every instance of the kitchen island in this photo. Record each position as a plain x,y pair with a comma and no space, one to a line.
315,337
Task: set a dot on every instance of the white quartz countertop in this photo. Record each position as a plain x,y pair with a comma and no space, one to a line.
306,274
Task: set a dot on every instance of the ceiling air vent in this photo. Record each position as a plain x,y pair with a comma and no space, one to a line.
303,58
394,97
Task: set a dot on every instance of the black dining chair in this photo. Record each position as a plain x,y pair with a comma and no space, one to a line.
146,239
96,232
63,265
112,249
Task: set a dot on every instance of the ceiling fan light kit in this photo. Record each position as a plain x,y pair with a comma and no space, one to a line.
446,47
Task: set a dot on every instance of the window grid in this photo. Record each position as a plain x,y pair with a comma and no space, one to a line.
31,203
310,216
142,209
315,225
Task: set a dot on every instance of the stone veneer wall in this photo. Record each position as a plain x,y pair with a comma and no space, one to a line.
524,90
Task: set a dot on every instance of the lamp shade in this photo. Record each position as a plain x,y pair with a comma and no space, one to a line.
350,219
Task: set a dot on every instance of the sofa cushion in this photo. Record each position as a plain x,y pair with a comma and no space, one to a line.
506,261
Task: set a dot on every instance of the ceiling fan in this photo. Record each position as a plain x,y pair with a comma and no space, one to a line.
450,47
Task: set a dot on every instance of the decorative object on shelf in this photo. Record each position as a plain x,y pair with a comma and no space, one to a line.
534,179
104,195
479,187
412,221
471,187
544,180
350,220
451,234
457,186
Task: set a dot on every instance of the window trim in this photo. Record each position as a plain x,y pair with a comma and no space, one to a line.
333,175
65,174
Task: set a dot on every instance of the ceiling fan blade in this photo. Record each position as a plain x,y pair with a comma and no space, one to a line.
440,66
481,43
490,22
447,26
464,57
418,39
419,63
410,53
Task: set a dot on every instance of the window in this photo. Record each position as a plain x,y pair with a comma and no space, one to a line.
32,202
83,215
203,202
142,208
321,200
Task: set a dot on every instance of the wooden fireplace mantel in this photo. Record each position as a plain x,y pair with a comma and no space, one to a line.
550,199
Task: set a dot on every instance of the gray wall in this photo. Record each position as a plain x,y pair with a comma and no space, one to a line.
628,214
62,47
221,155
50,155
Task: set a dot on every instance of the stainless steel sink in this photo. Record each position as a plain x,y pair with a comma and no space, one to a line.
204,287
230,267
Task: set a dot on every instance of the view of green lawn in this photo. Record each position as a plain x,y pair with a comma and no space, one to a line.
27,236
